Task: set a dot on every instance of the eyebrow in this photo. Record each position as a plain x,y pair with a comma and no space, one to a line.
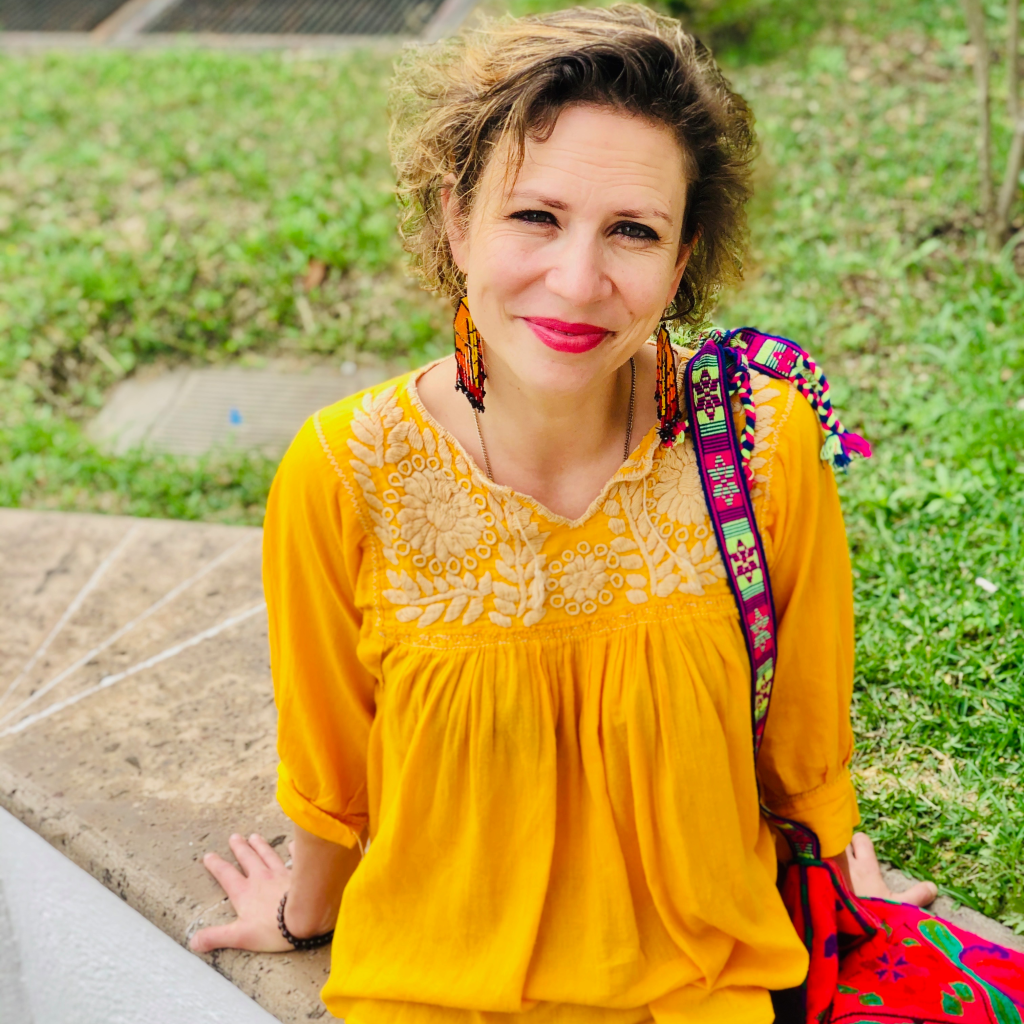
558,204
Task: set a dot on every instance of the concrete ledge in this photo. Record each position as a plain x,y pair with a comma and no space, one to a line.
157,743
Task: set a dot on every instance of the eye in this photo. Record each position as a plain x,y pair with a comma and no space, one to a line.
535,217
640,232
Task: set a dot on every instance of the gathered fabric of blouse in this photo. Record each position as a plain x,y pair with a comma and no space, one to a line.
544,725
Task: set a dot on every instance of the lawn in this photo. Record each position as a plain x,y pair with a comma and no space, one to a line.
166,207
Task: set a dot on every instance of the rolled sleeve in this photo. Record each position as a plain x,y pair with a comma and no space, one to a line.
324,694
808,742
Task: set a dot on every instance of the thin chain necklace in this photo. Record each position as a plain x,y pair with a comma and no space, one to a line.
629,422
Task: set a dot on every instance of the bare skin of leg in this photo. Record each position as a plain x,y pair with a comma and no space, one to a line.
866,876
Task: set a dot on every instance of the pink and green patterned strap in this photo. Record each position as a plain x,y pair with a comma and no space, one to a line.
720,462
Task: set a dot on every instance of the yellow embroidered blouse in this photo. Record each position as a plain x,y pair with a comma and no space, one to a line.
546,724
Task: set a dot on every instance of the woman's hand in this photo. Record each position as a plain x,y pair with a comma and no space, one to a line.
866,876
320,870
255,893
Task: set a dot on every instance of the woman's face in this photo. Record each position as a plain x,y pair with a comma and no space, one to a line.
570,269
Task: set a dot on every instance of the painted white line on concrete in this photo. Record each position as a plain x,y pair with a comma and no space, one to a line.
114,637
76,603
107,681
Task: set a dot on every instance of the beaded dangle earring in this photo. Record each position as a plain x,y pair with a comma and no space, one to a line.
666,391
469,358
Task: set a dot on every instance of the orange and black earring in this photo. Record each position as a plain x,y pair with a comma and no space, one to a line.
666,391
469,358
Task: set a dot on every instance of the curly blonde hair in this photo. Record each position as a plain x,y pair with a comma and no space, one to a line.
508,79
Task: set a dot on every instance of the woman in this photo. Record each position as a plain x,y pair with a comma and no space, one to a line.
503,645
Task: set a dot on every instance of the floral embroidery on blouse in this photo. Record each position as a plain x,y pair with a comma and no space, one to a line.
455,547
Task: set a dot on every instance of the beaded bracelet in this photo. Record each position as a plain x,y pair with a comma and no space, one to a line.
313,942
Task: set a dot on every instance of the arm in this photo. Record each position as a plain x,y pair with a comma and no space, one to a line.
314,883
320,872
841,863
325,704
809,740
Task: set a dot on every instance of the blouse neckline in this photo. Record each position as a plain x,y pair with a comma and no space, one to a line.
637,466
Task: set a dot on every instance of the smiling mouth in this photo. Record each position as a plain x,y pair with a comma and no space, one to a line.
566,337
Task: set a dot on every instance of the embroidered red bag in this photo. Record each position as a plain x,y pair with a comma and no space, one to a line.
871,961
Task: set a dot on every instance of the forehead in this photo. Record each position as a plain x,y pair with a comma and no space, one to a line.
593,152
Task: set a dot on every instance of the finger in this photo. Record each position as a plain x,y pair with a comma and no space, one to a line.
219,936
920,895
270,857
862,848
247,857
229,877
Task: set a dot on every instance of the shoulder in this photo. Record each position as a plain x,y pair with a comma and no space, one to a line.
786,428
793,415
356,427
790,398
334,445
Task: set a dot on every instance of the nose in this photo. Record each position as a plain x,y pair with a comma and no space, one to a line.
577,273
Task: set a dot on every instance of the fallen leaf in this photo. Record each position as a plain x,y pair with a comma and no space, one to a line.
316,272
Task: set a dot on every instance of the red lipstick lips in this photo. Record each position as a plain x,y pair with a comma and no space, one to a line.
566,337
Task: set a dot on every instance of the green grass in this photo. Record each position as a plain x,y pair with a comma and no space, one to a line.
165,206
46,462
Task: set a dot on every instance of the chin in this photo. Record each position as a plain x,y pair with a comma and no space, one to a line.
563,374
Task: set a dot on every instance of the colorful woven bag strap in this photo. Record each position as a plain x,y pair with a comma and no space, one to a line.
721,461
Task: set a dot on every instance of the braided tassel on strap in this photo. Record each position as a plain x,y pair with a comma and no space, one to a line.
782,358
841,445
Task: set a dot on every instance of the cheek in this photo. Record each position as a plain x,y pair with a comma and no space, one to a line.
503,264
644,283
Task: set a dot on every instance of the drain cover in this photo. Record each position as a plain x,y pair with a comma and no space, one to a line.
189,412
55,15
297,17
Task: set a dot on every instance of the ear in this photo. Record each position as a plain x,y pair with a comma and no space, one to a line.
685,252
684,258
454,225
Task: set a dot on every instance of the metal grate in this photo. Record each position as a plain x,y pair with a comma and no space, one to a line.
55,15
298,17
